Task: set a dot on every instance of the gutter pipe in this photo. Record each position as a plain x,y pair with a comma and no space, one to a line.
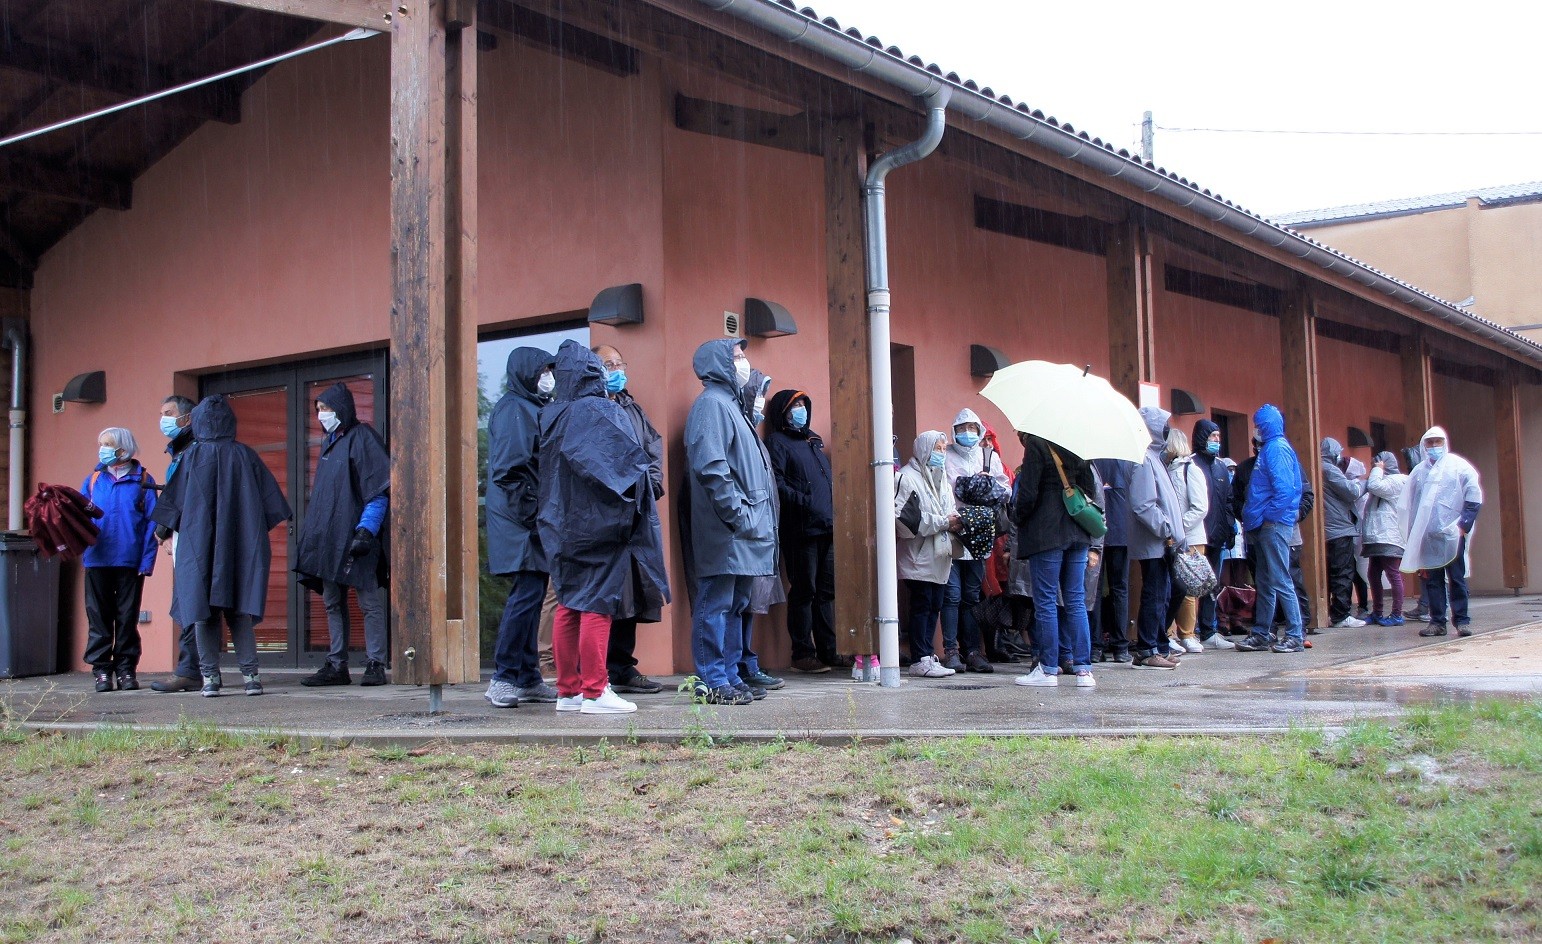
914,79
875,227
16,340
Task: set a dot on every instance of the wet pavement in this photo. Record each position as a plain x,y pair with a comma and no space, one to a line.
1349,674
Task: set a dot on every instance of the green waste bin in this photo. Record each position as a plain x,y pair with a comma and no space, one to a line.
29,609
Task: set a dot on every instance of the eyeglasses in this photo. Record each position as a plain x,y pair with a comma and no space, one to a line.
613,365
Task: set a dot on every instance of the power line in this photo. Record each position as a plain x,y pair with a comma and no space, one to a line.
1394,134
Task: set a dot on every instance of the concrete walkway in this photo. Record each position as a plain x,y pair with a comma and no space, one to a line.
1349,674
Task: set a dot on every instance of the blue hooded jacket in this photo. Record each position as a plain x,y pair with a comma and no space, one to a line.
1274,490
127,538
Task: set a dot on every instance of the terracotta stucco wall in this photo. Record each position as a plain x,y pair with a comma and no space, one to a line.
1506,253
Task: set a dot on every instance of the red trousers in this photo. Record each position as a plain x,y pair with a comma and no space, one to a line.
578,645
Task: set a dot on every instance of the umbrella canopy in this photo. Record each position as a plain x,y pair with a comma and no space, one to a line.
1070,407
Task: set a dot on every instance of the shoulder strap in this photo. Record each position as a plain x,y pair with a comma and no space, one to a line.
91,487
986,454
1059,468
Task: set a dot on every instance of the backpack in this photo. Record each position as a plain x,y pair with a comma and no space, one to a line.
145,483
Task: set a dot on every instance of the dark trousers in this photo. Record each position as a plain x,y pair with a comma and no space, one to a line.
960,630
1341,577
1156,589
925,608
811,596
1435,587
620,652
517,651
1206,625
112,618
187,652
1112,623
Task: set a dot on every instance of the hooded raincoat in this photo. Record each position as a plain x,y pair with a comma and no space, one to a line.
1220,525
1381,535
222,503
1156,512
354,469
923,501
597,520
1438,506
733,522
1340,493
1274,487
512,467
803,478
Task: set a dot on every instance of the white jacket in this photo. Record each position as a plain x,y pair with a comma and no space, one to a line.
925,552
1193,488
1379,522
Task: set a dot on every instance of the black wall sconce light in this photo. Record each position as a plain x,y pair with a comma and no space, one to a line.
763,319
89,387
985,361
1185,403
1359,438
618,305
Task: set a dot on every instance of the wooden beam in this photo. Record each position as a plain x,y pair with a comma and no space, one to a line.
1079,233
433,246
1129,328
370,14
785,132
70,184
1512,498
851,394
1298,366
1418,385
558,37
122,78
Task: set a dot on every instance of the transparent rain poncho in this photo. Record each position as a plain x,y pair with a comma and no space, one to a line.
1430,509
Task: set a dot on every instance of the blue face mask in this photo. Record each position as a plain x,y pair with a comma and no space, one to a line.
615,381
937,460
1435,453
107,454
797,417
1213,447
967,439
169,427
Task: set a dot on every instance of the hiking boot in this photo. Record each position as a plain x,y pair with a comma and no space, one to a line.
177,683
1433,629
754,692
809,666
975,662
1289,644
950,660
726,695
636,683
103,680
328,674
127,681
211,686
1420,613
253,684
374,673
1255,643
1155,661
609,703
501,694
1464,631
762,680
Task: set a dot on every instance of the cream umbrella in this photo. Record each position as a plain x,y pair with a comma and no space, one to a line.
1071,407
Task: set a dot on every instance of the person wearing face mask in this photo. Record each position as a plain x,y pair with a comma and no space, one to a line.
1437,513
1381,540
1340,525
733,529
805,485
926,523
341,542
1270,514
1220,524
620,654
514,547
118,563
960,630
176,422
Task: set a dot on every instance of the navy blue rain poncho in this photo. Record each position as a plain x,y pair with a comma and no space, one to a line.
222,502
512,468
597,520
354,469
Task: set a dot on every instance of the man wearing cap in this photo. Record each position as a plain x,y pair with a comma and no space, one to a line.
1444,498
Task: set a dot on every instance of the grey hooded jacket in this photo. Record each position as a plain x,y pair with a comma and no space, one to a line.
733,522
1380,532
1339,495
1156,513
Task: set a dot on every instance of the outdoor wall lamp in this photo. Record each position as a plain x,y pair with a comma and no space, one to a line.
1359,438
86,388
764,319
985,361
618,305
1185,403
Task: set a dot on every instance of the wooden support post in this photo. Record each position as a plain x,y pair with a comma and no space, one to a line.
1512,503
851,391
433,367
1418,386
1129,311
1298,364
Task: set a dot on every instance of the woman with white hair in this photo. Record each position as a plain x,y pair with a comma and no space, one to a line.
117,565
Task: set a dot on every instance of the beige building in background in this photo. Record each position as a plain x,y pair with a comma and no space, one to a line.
1480,248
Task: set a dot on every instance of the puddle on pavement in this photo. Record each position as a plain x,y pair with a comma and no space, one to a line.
1425,691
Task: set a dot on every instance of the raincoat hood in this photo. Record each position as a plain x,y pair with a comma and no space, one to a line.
1156,422
213,420
925,444
1269,422
780,403
967,415
340,399
1435,432
714,363
1202,431
578,373
1389,461
524,371
1330,448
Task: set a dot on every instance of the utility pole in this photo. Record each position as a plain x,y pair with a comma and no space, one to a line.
1146,138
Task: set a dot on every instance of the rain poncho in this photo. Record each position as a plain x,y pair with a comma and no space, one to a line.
1381,533
1439,504
222,502
353,470
923,501
597,520
512,468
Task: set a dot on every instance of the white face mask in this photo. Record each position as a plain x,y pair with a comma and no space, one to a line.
742,371
546,384
328,419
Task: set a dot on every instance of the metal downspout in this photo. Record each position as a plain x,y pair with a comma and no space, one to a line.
875,227
16,340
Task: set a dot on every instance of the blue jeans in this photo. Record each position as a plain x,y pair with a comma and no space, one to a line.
517,650
1270,552
1435,587
960,597
717,628
1060,575
921,624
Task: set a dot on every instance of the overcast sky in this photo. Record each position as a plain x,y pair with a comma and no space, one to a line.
1350,65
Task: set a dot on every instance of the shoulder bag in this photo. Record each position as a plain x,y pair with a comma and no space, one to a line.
1085,512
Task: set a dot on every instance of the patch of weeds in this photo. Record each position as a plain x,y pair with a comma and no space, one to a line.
33,801
318,871
272,801
1439,728
1361,742
87,812
557,846
394,753
1038,935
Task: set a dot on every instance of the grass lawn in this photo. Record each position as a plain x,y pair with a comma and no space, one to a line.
1429,829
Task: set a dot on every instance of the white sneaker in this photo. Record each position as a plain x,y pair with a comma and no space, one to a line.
1219,642
929,667
1191,644
609,703
1085,680
1037,679
1349,622
570,703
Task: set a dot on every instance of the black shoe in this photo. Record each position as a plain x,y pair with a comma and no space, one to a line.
636,683
176,683
374,674
1464,630
1433,629
726,695
764,680
756,693
128,681
1123,656
975,662
950,660
103,680
328,674
809,665
211,686
1255,643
